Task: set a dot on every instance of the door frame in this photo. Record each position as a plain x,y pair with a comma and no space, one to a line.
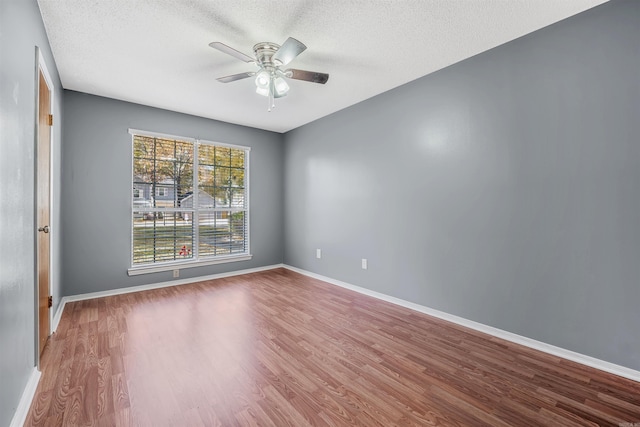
41,68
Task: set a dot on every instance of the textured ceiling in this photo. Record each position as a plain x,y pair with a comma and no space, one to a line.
155,52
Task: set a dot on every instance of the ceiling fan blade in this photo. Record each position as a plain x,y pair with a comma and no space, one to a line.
234,77
308,76
288,51
231,51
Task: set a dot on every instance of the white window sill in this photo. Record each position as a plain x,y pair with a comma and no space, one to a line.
156,268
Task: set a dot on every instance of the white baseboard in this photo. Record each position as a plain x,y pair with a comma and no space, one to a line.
499,333
22,410
120,291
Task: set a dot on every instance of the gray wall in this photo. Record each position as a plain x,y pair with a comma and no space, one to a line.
504,189
21,31
96,195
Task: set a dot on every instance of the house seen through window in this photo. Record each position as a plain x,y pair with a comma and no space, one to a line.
189,200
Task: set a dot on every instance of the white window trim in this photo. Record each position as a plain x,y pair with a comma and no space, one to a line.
180,264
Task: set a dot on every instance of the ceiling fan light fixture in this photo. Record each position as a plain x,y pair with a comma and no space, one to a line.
263,79
264,91
281,86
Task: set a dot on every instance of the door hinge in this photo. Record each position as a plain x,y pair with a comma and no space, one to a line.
50,119
50,301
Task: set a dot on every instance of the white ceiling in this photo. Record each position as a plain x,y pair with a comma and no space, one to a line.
156,53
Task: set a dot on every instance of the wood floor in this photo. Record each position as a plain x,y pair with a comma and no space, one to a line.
280,349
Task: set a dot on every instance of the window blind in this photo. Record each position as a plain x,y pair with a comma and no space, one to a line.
189,200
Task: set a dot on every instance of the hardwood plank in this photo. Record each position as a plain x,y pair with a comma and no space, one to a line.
277,348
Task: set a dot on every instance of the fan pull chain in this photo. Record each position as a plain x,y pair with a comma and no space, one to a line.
272,101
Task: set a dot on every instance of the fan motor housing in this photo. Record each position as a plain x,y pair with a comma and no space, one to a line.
264,51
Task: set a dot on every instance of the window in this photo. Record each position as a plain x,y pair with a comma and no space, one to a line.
200,213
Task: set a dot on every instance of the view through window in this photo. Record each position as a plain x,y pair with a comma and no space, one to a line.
189,200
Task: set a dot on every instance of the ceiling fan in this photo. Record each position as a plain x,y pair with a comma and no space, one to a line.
270,77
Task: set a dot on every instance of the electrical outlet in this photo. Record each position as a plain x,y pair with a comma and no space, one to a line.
318,253
176,273
364,263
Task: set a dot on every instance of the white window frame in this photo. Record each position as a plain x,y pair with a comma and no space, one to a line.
163,190
196,262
